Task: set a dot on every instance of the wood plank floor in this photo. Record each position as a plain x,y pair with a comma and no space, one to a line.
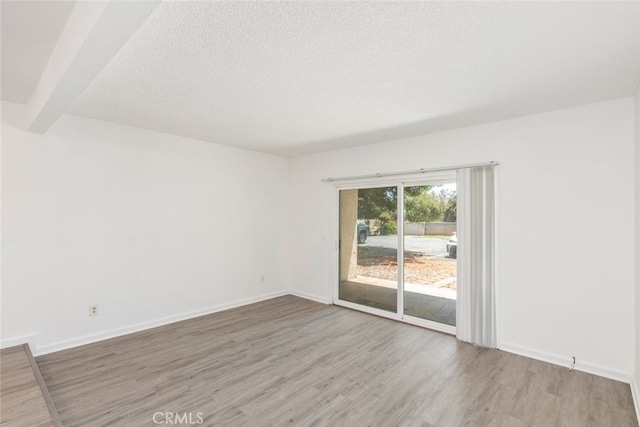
23,397
288,361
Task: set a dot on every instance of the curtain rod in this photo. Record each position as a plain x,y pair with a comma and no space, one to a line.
412,172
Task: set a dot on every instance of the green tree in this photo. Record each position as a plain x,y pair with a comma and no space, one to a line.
425,207
377,202
431,204
451,209
382,201
422,204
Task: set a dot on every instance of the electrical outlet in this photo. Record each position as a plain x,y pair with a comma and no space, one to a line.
93,310
263,278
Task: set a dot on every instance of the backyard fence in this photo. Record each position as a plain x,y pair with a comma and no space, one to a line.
417,228
429,228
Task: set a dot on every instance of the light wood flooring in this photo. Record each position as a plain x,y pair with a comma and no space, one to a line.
24,400
289,361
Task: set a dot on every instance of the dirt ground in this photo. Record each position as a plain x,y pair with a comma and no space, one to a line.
417,269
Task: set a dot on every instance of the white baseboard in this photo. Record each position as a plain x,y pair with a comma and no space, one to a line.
310,297
587,367
30,339
113,333
635,393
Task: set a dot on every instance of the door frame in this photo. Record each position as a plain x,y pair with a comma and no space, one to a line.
428,178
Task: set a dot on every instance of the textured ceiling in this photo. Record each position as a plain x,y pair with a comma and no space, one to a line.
300,77
29,31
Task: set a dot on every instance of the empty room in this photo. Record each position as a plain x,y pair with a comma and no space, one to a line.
320,213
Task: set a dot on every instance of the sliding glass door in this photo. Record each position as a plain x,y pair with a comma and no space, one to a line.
369,247
397,251
430,251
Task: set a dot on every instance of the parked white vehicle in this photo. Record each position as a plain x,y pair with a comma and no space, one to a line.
452,246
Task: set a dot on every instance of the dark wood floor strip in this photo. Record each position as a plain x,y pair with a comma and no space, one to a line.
289,361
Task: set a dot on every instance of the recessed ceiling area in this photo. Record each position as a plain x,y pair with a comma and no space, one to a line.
293,78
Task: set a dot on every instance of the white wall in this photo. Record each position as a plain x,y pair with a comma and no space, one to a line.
149,226
636,378
564,290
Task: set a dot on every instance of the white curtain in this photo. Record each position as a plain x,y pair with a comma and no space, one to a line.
475,313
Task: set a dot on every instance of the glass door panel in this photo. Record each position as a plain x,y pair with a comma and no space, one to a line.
430,250
368,260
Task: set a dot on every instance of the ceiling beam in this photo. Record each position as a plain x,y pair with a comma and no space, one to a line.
94,33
